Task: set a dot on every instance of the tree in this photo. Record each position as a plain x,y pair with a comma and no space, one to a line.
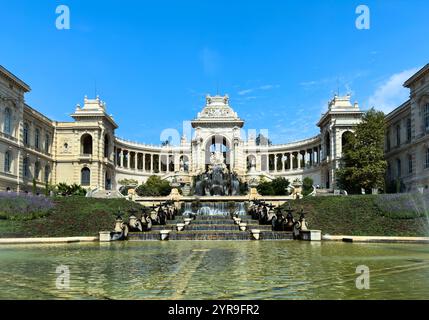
154,187
277,187
265,188
261,140
363,164
166,143
66,190
307,186
128,182
280,186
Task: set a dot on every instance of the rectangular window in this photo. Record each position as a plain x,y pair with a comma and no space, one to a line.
427,159
408,130
47,143
399,167
410,164
426,116
398,135
388,140
37,139
26,168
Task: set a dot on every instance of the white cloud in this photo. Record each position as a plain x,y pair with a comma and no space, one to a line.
391,93
263,87
244,92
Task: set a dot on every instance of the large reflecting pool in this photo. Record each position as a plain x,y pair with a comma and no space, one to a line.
215,270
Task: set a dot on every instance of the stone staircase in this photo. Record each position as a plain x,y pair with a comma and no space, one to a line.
103,194
211,228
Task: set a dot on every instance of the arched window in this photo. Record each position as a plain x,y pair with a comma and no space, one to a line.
85,177
37,170
7,121
106,146
327,144
47,173
26,169
251,162
7,160
86,142
26,134
37,138
346,140
108,181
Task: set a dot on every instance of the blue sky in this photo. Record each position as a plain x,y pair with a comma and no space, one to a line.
153,62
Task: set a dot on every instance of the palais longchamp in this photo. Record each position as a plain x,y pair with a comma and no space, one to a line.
35,150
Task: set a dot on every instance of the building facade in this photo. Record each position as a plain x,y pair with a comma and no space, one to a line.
35,151
407,138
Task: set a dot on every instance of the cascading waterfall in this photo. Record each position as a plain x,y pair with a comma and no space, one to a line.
215,209
188,209
241,210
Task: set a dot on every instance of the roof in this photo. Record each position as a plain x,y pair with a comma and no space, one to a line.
417,76
9,75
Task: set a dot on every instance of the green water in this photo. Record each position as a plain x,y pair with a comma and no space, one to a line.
215,270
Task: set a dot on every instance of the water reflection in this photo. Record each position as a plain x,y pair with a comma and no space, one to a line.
215,270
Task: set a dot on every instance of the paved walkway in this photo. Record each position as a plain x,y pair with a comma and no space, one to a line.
47,240
377,239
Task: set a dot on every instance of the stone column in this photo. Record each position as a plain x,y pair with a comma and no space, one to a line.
121,159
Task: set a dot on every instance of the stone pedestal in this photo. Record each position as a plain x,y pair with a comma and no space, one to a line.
310,235
105,236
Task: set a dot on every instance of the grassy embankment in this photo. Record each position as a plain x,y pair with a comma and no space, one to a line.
384,215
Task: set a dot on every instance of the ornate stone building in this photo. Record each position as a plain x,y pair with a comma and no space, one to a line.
86,151
407,137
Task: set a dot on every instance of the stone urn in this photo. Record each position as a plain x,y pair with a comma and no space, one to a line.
297,189
256,234
237,220
165,234
180,226
187,221
243,226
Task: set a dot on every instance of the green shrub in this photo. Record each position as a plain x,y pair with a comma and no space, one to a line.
277,187
65,190
154,187
307,186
